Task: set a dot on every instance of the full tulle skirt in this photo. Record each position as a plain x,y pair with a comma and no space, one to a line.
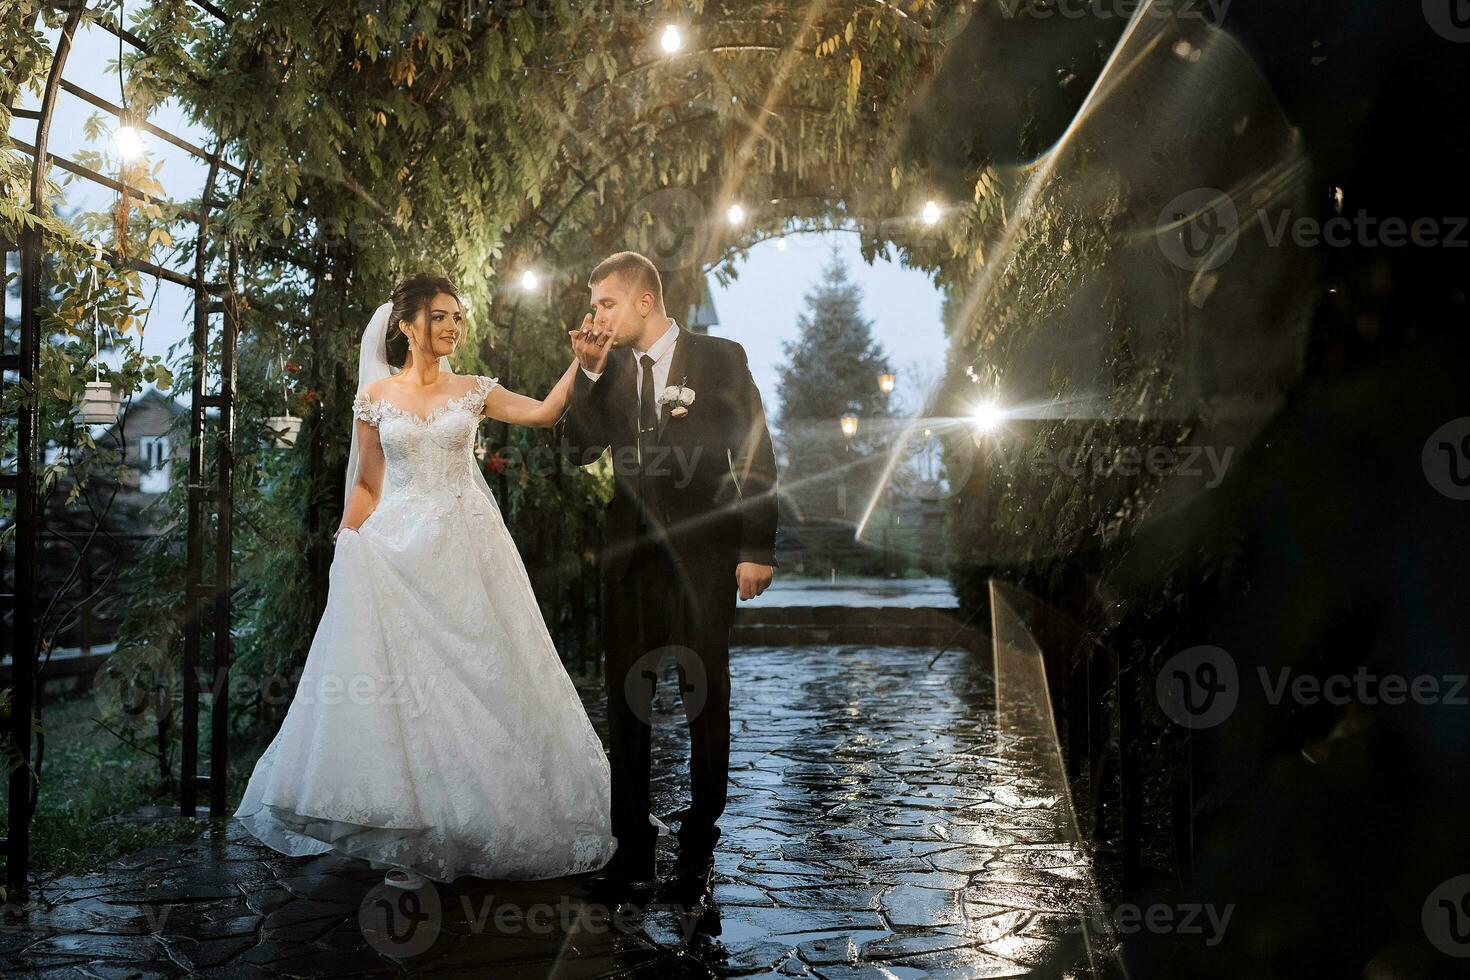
434,727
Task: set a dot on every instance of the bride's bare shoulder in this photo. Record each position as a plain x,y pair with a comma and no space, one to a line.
376,388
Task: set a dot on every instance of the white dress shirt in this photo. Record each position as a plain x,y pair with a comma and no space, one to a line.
662,353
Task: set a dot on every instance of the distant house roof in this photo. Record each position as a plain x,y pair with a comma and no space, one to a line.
702,316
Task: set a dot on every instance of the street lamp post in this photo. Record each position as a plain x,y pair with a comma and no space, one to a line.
849,425
886,382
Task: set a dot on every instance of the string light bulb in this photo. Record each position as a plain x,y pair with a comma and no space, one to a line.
130,144
129,137
672,40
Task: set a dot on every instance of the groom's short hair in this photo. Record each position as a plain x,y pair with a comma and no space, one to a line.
635,269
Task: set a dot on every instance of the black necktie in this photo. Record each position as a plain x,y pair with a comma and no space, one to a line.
647,423
647,408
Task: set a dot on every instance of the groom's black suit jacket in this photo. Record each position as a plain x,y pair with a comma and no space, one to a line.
710,476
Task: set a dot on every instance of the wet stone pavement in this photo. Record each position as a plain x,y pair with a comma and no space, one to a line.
877,826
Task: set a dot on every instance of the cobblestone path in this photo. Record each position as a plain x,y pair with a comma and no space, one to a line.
878,825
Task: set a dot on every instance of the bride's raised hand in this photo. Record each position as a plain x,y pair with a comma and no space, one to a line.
588,346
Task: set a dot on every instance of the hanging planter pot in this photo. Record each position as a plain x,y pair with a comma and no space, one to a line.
102,399
286,428
101,403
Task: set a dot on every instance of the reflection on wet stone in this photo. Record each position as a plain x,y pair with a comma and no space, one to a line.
876,827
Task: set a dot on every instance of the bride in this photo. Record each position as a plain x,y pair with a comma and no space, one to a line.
434,730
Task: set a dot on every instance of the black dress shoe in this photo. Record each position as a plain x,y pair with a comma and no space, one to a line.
697,852
692,875
688,888
615,890
625,876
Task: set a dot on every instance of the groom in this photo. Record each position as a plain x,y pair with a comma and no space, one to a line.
692,523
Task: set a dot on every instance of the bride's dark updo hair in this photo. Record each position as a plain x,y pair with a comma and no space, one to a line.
411,297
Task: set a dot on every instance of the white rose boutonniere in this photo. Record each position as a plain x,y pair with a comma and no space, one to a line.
677,398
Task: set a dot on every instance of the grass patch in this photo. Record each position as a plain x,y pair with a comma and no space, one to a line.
90,783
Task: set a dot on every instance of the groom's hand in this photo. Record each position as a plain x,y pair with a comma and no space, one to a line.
752,578
589,347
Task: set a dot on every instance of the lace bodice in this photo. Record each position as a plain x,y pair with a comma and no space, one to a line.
426,455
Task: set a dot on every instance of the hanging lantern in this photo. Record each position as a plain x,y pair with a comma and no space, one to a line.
101,403
849,425
885,382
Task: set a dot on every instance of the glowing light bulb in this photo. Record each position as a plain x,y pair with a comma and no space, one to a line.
885,382
849,425
736,214
529,280
988,417
780,244
672,40
931,213
130,145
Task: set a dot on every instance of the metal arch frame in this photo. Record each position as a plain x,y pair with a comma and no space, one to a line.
23,789
214,677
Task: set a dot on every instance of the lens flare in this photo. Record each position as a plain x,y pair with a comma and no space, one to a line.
130,144
987,417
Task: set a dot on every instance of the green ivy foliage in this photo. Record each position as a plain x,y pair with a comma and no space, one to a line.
475,139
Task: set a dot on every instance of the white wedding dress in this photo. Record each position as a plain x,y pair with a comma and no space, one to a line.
434,727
